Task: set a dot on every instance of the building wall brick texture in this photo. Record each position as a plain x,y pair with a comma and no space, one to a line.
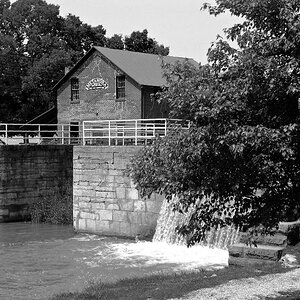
105,200
28,172
98,104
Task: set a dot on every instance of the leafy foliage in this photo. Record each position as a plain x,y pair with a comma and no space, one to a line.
36,44
239,161
56,207
115,42
140,42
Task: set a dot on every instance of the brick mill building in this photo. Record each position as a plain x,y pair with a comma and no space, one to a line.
110,84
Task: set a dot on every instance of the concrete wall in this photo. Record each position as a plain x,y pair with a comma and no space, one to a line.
105,199
98,103
28,172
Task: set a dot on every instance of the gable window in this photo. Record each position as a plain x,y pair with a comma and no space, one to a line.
120,86
74,89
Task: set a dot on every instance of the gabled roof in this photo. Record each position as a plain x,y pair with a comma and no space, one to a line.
144,68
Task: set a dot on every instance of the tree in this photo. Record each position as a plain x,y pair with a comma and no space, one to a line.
35,47
10,83
41,45
115,42
140,42
239,161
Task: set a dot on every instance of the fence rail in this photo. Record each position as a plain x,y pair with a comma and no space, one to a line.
104,132
126,132
14,134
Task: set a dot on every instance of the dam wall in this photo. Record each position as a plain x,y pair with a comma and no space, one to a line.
28,172
105,200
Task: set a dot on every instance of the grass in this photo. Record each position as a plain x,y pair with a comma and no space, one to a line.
166,286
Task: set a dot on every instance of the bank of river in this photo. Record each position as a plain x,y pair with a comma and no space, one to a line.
39,260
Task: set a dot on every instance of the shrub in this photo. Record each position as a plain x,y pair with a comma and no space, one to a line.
55,207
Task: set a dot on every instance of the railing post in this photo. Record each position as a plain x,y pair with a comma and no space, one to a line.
136,132
39,132
62,134
108,133
6,134
83,133
165,127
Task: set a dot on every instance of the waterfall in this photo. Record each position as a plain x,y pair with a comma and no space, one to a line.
169,219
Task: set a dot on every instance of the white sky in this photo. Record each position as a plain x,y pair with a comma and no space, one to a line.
179,24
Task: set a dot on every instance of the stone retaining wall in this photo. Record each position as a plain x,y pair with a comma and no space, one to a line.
28,172
105,200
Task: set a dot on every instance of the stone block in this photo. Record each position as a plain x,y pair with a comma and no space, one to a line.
84,199
112,206
77,191
149,219
85,205
102,226
139,206
83,183
87,193
135,217
4,212
104,186
81,225
276,239
121,192
286,227
88,215
132,193
120,165
110,178
261,252
135,229
120,179
116,173
242,261
98,206
125,229
120,216
114,227
105,194
91,225
153,206
105,215
126,205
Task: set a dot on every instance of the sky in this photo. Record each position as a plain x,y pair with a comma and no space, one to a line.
178,24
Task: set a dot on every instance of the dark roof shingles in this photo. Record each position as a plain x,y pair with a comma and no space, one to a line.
144,68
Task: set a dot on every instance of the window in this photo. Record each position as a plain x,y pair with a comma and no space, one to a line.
74,89
120,87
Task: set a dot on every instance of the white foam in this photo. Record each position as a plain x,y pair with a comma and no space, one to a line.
87,237
153,253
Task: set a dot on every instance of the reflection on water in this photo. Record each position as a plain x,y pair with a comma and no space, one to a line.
38,261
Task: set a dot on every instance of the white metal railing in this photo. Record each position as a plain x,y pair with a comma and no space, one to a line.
126,132
14,134
100,132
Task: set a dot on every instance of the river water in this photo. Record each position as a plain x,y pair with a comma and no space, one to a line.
39,260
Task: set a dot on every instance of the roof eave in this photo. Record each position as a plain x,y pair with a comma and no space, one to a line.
73,69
